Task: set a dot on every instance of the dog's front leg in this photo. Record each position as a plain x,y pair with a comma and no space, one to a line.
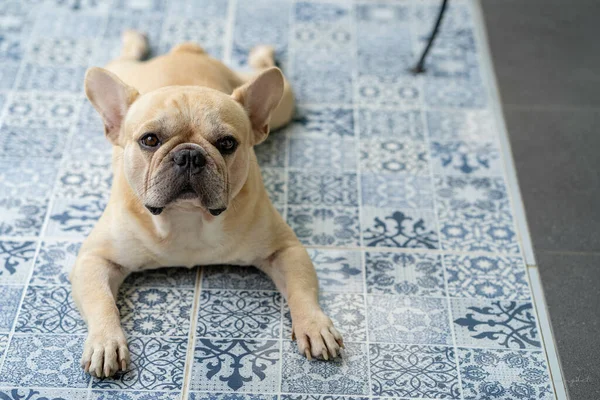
294,274
96,282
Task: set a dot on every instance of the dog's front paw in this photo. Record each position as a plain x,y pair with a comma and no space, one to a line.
104,353
316,336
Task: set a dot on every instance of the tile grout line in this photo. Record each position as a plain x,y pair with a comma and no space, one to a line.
229,31
189,360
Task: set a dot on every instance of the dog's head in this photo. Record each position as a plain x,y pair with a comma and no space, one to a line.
185,143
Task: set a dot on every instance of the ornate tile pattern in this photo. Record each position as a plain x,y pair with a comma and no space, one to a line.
394,182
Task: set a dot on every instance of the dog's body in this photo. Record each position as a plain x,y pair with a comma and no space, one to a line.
187,188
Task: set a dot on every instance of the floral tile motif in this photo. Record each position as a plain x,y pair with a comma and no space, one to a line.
90,144
164,277
10,297
133,395
68,25
25,178
506,374
347,311
338,270
413,371
49,310
408,274
43,394
44,361
455,92
323,154
322,87
190,8
306,11
156,364
51,78
74,218
16,261
340,376
487,277
419,320
8,75
463,158
236,365
387,190
239,314
85,179
66,51
208,32
391,156
42,110
335,226
54,263
464,125
230,396
275,183
24,143
389,90
323,121
3,345
318,397
402,125
271,152
22,216
235,277
403,229
155,311
313,188
496,323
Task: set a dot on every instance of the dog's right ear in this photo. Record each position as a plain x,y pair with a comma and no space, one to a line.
111,97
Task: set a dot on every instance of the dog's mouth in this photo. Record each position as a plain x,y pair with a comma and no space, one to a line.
186,193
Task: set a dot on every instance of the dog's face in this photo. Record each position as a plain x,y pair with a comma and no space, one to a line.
185,144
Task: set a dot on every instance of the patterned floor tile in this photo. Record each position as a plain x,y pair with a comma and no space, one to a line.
487,277
22,216
90,144
10,297
133,395
54,263
3,345
338,270
239,314
332,154
234,277
155,311
25,178
504,374
82,179
384,227
136,5
401,125
455,92
61,24
389,90
413,371
467,159
333,226
322,87
347,311
314,188
323,122
411,274
49,310
346,375
414,320
42,110
392,156
199,8
236,365
43,394
207,32
69,51
230,396
16,261
275,183
495,324
319,397
51,78
388,190
156,364
25,143
271,152
44,361
164,277
467,125
8,75
74,218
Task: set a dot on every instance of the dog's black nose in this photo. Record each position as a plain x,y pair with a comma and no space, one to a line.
189,159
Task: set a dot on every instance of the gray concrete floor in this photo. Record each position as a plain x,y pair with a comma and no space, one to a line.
547,60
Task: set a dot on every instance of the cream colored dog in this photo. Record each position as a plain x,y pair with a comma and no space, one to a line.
187,188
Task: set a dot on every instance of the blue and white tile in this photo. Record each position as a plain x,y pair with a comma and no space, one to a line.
22,216
8,76
325,226
239,314
52,78
54,263
461,125
211,9
322,189
147,22
346,375
231,365
11,48
389,227
74,218
156,364
466,158
415,320
393,156
61,51
140,5
42,110
209,33
411,371
133,395
10,298
455,93
84,179
27,143
396,124
177,277
43,394
271,152
322,122
389,90
487,276
495,324
4,339
331,154
49,309
475,215
23,177
388,190
44,361
506,374
322,87
274,180
323,40
319,397
338,270
16,261
235,277
155,311
84,6
90,144
406,274
230,396
321,12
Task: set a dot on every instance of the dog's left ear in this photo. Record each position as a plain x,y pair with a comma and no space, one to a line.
260,97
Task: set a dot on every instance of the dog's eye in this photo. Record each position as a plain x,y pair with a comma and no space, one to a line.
150,140
227,145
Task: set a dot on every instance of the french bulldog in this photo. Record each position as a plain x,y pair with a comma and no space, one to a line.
187,189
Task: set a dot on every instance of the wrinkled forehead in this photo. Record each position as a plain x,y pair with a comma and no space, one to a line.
180,110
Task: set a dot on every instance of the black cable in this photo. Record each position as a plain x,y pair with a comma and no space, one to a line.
420,67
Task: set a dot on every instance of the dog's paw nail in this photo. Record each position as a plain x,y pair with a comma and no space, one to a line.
325,355
123,365
307,354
